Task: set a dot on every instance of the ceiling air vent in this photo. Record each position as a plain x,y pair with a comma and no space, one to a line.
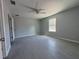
12,2
16,15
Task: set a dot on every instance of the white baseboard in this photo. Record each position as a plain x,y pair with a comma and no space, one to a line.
23,36
70,40
66,39
58,38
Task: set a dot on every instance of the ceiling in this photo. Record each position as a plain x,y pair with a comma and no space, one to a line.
51,7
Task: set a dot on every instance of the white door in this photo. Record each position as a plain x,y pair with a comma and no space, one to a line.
2,38
1,57
4,29
1,53
6,46
1,33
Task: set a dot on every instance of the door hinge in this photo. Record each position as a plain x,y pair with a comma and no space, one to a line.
2,39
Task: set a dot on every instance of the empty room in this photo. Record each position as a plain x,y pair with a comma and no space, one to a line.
39,29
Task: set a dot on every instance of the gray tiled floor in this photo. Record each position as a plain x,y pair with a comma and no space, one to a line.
43,47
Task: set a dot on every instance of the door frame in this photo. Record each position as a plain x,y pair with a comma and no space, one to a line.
11,30
2,46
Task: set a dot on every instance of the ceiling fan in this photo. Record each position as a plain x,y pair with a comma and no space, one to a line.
35,9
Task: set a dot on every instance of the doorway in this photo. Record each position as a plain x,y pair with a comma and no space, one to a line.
10,28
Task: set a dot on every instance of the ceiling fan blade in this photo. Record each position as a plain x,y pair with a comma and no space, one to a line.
41,9
36,12
26,6
31,11
29,7
42,12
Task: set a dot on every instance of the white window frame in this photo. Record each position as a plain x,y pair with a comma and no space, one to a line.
52,25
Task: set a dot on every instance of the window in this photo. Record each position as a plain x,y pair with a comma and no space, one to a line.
52,25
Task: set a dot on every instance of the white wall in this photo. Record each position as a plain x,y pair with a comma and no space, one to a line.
25,26
67,25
